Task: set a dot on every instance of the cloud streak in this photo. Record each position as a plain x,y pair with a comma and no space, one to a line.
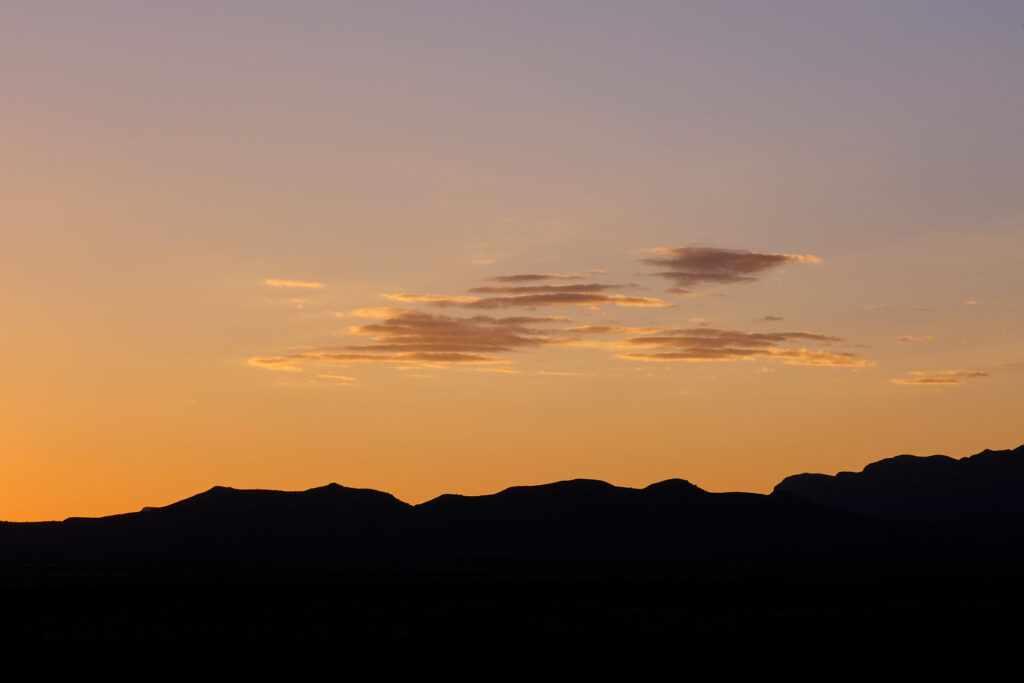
924,378
301,284
434,299
709,344
689,267
566,298
546,289
418,337
535,277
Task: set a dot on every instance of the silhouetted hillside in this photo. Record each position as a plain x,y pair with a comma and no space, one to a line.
903,508
978,491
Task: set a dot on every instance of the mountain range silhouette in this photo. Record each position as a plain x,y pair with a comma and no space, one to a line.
901,508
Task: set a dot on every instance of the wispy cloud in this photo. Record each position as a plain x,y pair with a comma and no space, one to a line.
376,312
344,358
418,337
277,364
547,289
427,332
613,329
925,380
910,338
295,284
688,267
440,299
923,377
534,277
570,298
709,344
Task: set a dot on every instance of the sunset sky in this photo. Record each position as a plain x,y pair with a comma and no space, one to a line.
430,247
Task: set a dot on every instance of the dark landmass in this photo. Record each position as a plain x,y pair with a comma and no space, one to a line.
933,544
978,491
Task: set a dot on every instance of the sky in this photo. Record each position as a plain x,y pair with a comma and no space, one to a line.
430,247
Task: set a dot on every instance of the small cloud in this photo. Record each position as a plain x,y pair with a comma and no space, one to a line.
790,356
562,374
569,298
970,302
294,283
340,380
925,380
546,289
613,329
965,373
770,319
910,338
533,277
401,357
431,298
277,364
417,338
924,309
688,267
708,344
376,312
922,377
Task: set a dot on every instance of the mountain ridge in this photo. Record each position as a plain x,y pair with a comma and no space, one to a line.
900,507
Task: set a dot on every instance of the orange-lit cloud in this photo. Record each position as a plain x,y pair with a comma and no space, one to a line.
534,277
414,337
418,337
613,329
294,283
439,299
925,380
688,267
418,331
910,338
921,377
277,363
708,344
376,312
546,289
400,357
570,298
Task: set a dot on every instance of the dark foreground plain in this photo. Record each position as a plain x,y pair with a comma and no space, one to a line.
75,607
911,547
